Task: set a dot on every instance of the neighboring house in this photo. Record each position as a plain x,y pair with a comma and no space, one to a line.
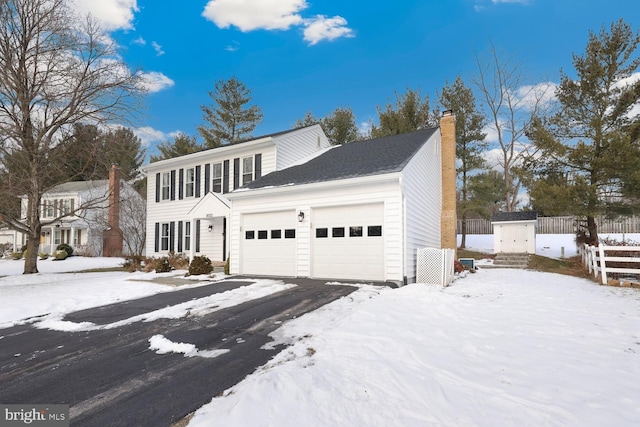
187,211
79,212
359,211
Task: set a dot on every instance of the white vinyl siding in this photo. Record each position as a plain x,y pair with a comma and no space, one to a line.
298,145
422,179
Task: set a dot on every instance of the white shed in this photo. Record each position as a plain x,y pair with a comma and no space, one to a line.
514,232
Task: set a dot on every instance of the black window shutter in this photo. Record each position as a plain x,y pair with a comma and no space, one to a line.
172,235
225,176
157,188
236,173
173,185
258,166
157,238
198,169
181,184
179,236
207,178
198,235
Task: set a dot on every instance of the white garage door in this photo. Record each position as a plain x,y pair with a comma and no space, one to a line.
269,244
348,242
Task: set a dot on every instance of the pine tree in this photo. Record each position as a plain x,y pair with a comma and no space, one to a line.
590,146
470,144
411,112
229,119
182,144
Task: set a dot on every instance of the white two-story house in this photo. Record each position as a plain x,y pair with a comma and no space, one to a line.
187,210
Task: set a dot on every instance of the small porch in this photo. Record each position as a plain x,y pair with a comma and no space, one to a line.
210,220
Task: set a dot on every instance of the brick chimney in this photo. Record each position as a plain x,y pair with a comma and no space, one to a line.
112,237
449,219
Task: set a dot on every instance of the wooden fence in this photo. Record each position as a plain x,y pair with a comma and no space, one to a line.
560,225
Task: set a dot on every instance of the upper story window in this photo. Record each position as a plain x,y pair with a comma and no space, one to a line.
247,170
166,184
50,209
189,182
216,176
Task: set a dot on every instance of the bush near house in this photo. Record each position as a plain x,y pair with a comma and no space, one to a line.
162,265
178,261
60,254
16,255
43,255
200,265
65,247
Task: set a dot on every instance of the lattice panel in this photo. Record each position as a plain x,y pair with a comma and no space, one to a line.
434,266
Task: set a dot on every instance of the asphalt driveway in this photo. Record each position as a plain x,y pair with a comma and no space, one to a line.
110,377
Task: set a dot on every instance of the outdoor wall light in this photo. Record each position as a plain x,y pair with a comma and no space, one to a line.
210,228
301,216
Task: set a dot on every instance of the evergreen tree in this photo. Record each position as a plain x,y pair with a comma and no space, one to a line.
182,144
123,148
486,193
470,144
308,120
411,112
229,119
590,147
340,126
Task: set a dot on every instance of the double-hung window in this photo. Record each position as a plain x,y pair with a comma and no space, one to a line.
164,237
216,176
189,182
166,184
187,236
247,170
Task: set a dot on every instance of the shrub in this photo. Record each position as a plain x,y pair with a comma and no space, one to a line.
178,261
200,265
16,255
43,255
133,263
65,247
60,254
162,265
458,267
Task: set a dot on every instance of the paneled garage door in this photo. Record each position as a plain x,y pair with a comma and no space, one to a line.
269,243
348,242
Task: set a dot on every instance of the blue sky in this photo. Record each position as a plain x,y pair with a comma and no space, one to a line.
316,55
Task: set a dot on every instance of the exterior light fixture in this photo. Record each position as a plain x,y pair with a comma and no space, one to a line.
300,216
210,228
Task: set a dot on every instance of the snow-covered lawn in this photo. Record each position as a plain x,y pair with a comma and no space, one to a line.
497,348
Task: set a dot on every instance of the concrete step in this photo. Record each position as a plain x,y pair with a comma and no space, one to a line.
506,260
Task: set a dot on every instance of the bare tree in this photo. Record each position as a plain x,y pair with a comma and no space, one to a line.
510,106
55,71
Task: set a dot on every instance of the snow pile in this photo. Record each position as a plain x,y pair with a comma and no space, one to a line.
162,345
501,347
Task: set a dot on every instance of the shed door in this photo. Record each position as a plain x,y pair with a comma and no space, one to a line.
348,242
269,244
514,238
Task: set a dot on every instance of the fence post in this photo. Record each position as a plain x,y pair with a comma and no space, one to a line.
594,261
603,267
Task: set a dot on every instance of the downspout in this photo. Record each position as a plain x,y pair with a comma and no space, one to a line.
404,232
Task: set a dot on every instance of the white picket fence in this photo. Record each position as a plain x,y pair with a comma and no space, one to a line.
595,258
435,266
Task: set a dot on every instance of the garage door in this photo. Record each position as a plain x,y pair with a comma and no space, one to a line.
269,244
348,242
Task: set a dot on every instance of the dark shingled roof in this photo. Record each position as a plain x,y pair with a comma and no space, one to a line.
356,159
514,216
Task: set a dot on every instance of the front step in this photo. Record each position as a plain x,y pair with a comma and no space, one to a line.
506,260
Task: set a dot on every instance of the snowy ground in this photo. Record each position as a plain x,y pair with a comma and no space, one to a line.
497,348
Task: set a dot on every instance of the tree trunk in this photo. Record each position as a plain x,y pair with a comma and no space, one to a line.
31,257
463,230
592,228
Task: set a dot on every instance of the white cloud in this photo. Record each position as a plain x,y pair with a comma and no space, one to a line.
509,1
150,136
154,81
250,15
157,48
538,95
140,41
323,28
112,14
